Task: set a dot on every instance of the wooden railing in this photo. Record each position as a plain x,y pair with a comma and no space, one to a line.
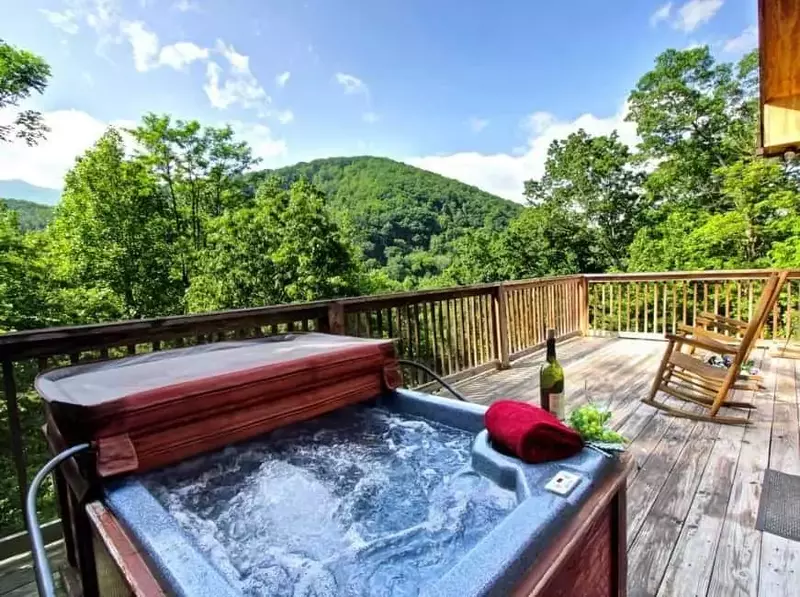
651,305
457,332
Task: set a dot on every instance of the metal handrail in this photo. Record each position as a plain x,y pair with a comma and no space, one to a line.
41,567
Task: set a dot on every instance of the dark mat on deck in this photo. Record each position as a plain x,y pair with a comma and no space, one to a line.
779,510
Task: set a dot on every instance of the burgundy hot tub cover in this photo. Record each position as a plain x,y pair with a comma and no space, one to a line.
147,411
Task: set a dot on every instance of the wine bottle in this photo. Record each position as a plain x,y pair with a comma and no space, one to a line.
551,381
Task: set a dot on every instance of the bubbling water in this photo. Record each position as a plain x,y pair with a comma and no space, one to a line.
362,501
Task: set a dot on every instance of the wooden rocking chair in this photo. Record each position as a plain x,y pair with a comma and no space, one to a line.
710,325
687,378
727,330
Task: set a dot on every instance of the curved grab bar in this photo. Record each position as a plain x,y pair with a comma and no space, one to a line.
44,576
427,370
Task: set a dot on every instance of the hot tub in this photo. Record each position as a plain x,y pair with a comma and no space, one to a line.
398,493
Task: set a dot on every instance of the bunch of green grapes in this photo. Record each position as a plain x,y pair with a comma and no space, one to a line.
590,422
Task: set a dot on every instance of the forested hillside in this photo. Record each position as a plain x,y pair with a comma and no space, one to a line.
32,216
402,218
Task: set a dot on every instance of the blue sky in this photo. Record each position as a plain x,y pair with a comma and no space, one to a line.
473,90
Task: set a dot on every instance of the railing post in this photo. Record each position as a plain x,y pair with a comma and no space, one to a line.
14,427
584,303
500,325
335,320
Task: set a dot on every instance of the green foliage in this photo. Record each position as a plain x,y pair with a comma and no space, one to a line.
284,248
593,182
32,216
22,279
693,116
111,237
21,73
759,230
402,218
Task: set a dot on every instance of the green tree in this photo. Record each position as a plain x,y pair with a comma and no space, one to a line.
283,248
693,116
23,302
547,240
201,173
22,73
759,230
594,181
112,236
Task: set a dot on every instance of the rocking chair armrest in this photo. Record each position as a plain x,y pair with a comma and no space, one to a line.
703,343
721,319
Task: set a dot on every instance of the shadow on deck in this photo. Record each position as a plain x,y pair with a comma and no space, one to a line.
693,499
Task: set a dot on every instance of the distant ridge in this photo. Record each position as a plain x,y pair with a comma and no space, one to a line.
18,189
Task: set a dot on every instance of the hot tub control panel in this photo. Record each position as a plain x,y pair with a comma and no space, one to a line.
563,483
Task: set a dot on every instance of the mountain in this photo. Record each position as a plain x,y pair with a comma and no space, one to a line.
32,216
395,209
28,192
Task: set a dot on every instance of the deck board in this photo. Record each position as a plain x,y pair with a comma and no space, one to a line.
693,498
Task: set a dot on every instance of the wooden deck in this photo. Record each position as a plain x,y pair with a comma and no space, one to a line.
693,500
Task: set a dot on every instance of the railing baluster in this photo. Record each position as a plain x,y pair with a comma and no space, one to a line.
788,310
445,351
527,317
727,300
685,295
775,318
674,307
15,430
419,342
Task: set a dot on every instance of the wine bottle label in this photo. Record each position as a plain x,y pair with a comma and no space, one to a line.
558,405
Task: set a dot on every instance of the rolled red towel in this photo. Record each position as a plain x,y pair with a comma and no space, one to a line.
530,433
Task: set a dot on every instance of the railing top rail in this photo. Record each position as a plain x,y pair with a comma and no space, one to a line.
63,340
55,341
543,281
743,274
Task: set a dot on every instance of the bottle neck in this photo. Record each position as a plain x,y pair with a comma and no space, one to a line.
551,350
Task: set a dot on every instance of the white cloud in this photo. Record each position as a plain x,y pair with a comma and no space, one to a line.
104,17
240,87
282,79
370,117
261,141
239,62
476,125
351,84
71,133
66,21
185,6
181,54
662,14
236,89
747,40
504,174
695,13
144,44
285,116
